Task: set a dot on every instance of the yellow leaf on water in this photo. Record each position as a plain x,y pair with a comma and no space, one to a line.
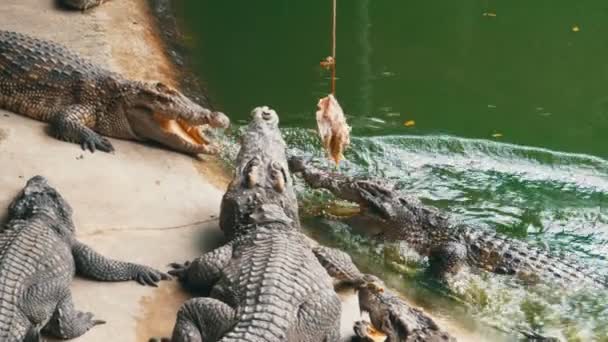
489,14
575,28
409,123
497,135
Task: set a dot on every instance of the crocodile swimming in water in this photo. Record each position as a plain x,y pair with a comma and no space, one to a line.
82,101
449,244
39,256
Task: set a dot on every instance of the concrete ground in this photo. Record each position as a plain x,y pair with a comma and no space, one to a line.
142,204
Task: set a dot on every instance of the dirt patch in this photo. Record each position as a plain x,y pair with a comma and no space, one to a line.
143,59
3,134
159,311
214,171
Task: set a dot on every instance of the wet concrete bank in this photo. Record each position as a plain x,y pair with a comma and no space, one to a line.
142,203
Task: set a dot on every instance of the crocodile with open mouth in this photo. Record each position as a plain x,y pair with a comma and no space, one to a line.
82,101
449,244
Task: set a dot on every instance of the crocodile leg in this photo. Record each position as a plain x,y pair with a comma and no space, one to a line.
203,271
22,328
339,265
319,313
203,319
94,265
68,323
33,335
70,125
448,259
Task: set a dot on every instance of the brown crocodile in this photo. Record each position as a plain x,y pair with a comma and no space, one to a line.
82,101
448,243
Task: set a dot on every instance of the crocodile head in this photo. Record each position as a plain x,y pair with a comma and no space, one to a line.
392,316
38,197
163,114
260,170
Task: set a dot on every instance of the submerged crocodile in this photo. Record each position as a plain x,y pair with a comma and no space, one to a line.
82,4
449,244
82,101
39,255
266,283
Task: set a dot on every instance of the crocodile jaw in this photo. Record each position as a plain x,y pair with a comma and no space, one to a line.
188,133
173,133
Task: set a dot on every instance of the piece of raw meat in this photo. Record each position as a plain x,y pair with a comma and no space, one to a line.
333,129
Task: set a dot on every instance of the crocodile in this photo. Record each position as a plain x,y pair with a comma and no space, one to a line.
82,4
82,101
393,317
39,256
261,175
269,282
449,244
265,283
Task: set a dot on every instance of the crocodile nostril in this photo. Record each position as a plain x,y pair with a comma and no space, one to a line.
276,165
266,115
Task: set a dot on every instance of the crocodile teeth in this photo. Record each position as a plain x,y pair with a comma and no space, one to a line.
190,134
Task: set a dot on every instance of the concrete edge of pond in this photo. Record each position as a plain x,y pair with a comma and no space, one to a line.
142,203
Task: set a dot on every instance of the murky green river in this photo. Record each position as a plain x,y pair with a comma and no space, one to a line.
510,104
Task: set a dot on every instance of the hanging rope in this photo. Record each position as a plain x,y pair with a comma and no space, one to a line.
331,121
330,61
333,49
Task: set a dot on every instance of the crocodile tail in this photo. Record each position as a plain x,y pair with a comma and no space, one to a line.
509,256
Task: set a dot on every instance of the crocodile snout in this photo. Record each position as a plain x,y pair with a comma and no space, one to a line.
36,184
264,114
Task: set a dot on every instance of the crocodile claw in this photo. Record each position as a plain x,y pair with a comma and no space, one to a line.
97,143
86,321
99,322
179,270
149,276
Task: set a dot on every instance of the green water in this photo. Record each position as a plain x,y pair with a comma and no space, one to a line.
510,103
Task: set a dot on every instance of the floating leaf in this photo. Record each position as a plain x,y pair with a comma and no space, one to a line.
575,28
333,129
409,123
497,135
489,14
